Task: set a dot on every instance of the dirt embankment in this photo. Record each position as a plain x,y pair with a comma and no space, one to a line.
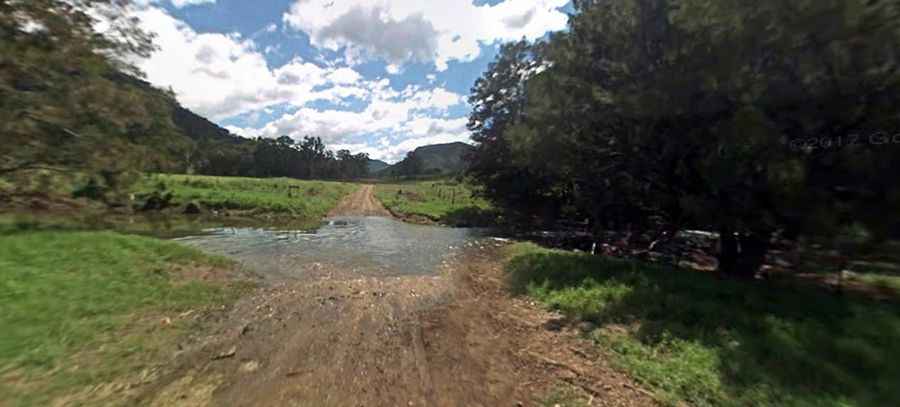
360,203
455,338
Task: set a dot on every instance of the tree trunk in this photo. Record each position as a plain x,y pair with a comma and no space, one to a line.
728,252
753,248
741,255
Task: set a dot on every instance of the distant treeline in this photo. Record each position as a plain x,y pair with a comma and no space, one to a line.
281,157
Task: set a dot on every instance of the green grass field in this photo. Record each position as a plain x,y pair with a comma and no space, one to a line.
692,338
82,308
310,199
442,201
232,201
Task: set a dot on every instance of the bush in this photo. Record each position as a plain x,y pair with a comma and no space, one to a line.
92,190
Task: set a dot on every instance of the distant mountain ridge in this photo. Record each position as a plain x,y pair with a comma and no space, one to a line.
376,165
191,125
435,159
199,128
445,158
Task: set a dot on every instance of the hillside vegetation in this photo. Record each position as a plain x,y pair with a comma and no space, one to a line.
433,160
375,166
72,102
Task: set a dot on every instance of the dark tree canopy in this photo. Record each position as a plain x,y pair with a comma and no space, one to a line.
702,114
280,157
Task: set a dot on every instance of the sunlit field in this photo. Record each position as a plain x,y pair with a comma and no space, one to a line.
441,201
308,199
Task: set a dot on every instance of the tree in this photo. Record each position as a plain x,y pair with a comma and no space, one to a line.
70,101
66,98
351,166
312,152
499,99
684,113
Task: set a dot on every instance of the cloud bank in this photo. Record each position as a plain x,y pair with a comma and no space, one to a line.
228,77
401,31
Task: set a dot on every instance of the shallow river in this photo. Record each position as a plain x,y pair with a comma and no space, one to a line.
365,245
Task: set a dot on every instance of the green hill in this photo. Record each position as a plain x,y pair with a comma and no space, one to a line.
437,159
375,166
444,158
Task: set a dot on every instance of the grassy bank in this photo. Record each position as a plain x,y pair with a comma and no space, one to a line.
441,201
156,203
282,196
691,337
87,308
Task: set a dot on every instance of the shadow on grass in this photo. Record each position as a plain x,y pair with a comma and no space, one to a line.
695,338
471,216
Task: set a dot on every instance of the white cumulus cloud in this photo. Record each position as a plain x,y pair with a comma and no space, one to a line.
425,31
185,3
401,120
223,75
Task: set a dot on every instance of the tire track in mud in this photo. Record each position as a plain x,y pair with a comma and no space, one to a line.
454,338
361,202
422,363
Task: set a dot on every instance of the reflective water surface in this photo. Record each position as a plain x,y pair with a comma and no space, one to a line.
364,245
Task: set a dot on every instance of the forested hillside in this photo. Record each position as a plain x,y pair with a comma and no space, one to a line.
375,166
61,105
71,103
436,159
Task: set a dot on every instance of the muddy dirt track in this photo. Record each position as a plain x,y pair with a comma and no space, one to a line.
452,338
362,202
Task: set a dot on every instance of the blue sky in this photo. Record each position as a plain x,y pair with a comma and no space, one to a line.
375,76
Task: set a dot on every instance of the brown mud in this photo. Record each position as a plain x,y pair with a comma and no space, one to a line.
452,338
362,202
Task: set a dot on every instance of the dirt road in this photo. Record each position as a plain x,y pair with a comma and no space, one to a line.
360,203
453,338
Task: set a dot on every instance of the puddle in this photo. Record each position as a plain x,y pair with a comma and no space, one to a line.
365,245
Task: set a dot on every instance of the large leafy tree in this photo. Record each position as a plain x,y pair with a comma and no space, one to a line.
68,94
687,113
506,173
